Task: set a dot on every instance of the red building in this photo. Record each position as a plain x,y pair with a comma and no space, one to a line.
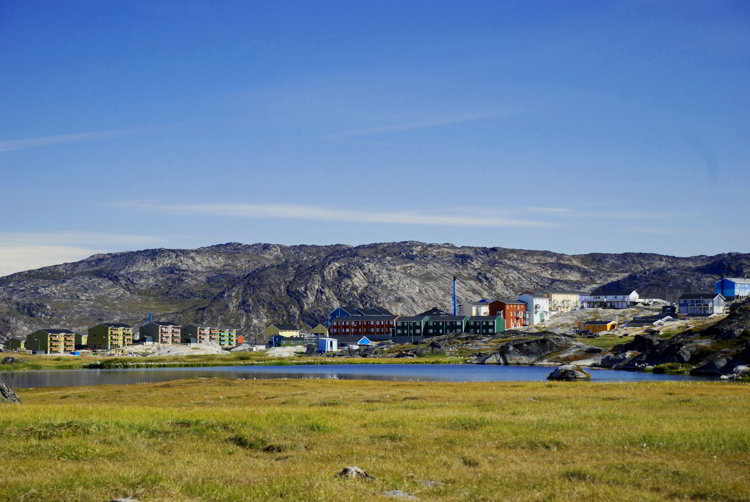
365,325
240,339
513,311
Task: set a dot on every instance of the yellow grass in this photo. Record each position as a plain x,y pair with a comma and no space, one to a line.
226,440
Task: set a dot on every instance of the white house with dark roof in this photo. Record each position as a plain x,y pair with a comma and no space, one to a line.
537,307
701,304
615,300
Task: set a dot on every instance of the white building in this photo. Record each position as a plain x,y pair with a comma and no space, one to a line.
480,308
537,307
618,300
701,304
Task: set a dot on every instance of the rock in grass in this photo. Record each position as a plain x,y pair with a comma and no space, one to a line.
354,472
569,373
7,395
9,360
126,499
399,494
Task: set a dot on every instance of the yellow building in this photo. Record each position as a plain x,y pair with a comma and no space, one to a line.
51,341
285,330
598,326
110,335
563,301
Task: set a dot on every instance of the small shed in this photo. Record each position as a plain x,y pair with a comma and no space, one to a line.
326,344
364,341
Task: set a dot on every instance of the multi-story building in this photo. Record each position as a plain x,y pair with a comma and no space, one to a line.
198,333
412,326
227,337
444,324
484,325
371,326
733,287
351,311
701,304
166,332
109,335
513,311
51,341
537,307
563,301
615,300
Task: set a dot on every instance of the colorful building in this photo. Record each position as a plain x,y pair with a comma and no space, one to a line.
480,308
51,341
227,337
484,325
563,301
166,332
598,326
733,287
320,330
413,326
445,324
701,304
351,311
513,311
364,325
108,335
17,344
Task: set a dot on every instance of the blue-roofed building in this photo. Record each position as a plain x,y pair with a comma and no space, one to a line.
733,287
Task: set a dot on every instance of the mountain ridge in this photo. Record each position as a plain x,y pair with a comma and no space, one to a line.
250,285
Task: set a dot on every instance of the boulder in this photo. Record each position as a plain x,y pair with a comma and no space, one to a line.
641,343
9,360
7,395
399,495
354,472
569,373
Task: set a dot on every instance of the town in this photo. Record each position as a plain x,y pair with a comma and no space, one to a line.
364,326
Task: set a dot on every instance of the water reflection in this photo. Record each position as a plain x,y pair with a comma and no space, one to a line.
384,372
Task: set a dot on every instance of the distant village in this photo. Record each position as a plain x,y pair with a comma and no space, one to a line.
357,326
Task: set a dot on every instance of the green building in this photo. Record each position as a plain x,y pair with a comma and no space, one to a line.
411,326
16,344
110,335
227,337
485,325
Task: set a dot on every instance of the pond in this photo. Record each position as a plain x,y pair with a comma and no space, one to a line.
391,372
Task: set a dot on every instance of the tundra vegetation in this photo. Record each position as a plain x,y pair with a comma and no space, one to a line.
228,440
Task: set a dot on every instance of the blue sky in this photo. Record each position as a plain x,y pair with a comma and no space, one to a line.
569,126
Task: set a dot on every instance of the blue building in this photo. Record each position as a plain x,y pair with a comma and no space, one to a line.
733,287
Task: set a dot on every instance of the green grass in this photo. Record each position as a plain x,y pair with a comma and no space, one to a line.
227,440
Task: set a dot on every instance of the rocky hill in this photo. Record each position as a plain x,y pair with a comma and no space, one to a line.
250,285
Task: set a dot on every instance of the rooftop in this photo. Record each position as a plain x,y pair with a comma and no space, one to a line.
699,296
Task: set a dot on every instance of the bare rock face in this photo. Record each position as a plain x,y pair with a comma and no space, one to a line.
249,286
569,373
8,395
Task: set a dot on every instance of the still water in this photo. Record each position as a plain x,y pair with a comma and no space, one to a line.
392,372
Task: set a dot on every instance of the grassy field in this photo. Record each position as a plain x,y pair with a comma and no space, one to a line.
227,440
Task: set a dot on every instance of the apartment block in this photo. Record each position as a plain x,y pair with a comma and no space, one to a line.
162,332
51,341
195,333
109,335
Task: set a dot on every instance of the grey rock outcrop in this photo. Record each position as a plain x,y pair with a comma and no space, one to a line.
8,395
569,373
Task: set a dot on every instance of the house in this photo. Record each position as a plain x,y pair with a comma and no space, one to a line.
480,308
701,304
351,311
82,341
563,301
282,329
109,335
51,341
733,287
17,344
227,337
597,326
167,332
373,326
240,339
320,330
537,307
513,311
614,300
325,344
444,324
484,325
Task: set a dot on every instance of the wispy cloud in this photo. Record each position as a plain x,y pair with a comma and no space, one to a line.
423,124
318,213
22,144
26,251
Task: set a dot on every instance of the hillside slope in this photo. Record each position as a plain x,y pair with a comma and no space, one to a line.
251,285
